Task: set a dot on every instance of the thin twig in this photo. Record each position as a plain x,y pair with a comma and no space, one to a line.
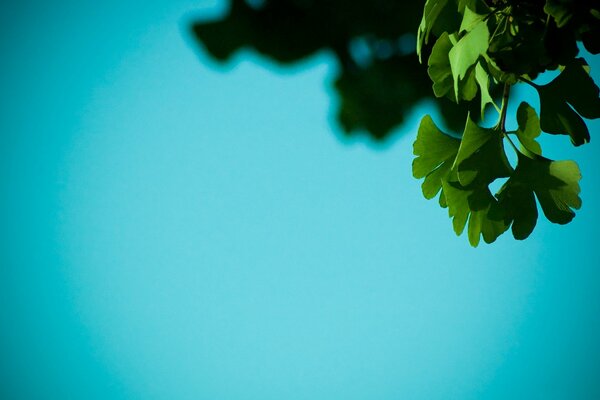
502,122
529,82
505,95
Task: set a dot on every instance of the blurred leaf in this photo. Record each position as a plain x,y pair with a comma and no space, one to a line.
376,89
374,98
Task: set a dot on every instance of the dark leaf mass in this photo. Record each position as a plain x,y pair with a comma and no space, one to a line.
380,79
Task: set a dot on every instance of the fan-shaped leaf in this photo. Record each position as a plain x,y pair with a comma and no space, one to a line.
435,153
572,95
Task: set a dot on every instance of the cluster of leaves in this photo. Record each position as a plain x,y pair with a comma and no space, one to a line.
481,44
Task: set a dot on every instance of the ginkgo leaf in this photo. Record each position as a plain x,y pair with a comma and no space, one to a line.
529,128
435,153
481,157
499,75
556,186
439,66
470,20
554,183
457,201
482,203
473,205
475,5
516,205
440,13
483,81
572,95
559,11
578,88
440,71
467,51
467,88
442,158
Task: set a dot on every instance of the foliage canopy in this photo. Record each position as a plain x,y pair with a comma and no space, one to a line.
474,51
503,43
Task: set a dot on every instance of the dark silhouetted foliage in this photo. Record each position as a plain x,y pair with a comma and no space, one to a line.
380,78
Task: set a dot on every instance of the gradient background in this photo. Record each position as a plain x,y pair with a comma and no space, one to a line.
175,229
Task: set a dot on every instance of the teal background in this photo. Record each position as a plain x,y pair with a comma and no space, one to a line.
172,228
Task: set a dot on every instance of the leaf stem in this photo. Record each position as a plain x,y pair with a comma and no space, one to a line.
505,95
502,122
529,82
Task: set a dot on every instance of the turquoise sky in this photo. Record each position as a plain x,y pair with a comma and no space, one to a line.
176,229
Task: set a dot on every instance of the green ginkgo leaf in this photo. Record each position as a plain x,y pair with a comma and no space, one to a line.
440,71
435,153
440,14
516,205
572,95
439,66
555,185
481,157
466,52
473,205
483,80
470,20
529,128
560,11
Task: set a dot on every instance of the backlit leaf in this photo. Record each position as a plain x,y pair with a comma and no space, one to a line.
467,51
436,12
517,206
481,157
483,81
566,99
554,183
473,205
440,72
529,128
435,153
470,20
439,66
